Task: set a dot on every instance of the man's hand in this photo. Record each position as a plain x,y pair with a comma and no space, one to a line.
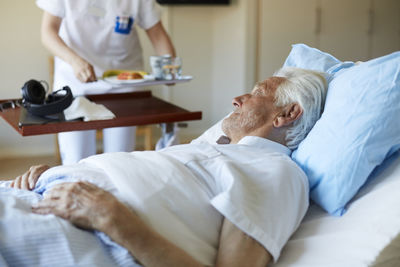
83,70
82,203
28,180
90,207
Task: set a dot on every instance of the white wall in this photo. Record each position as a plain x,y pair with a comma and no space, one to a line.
217,44
22,57
214,46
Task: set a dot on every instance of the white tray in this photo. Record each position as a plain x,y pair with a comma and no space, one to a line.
144,82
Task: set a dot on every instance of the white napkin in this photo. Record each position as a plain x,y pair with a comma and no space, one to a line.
81,107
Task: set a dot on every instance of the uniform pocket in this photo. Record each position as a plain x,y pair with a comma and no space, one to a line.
123,24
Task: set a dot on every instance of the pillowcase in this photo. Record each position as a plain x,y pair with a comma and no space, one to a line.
358,129
303,56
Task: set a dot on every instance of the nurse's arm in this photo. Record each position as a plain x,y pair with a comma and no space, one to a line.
160,40
83,70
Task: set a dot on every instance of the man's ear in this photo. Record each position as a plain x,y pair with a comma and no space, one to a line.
288,115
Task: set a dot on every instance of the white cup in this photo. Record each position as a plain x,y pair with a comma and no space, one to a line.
156,63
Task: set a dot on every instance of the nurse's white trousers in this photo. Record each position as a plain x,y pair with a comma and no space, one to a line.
77,145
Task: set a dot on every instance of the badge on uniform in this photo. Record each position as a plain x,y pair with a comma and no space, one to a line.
123,24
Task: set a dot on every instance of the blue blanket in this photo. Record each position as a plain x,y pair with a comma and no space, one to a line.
28,239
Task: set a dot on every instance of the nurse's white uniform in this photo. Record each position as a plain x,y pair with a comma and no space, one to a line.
103,33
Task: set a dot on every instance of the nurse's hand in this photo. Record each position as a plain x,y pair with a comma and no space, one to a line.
83,70
28,180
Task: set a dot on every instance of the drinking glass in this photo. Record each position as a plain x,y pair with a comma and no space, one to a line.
172,68
177,63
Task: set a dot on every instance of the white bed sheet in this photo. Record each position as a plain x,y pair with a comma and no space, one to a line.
368,234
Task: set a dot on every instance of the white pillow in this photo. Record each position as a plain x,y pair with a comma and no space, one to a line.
212,134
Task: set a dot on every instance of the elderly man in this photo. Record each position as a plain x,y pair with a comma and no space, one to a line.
199,204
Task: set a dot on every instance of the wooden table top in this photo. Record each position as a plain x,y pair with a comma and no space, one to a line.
130,109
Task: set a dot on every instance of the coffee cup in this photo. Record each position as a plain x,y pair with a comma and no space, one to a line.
156,64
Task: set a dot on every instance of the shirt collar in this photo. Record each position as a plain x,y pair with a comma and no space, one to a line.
265,144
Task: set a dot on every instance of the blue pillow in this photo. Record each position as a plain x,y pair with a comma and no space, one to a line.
303,56
358,130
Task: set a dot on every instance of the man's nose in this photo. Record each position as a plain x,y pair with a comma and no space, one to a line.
239,100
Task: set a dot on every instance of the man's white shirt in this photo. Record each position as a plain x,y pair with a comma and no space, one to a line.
185,191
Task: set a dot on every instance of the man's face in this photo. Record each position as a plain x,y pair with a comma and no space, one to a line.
252,111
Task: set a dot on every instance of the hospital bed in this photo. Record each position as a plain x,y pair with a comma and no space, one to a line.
368,234
359,225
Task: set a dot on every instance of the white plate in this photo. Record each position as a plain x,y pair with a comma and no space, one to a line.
114,80
185,77
150,77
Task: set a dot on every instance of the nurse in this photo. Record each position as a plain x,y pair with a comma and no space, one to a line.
88,37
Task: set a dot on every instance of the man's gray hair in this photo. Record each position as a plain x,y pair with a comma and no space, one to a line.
307,88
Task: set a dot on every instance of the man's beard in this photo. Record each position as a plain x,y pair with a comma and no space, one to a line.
239,123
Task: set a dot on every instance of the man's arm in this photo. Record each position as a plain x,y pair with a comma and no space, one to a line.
160,40
90,207
51,40
238,249
235,249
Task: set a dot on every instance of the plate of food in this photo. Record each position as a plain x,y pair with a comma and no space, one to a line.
125,76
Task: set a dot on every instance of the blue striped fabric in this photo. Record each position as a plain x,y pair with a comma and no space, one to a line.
28,239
